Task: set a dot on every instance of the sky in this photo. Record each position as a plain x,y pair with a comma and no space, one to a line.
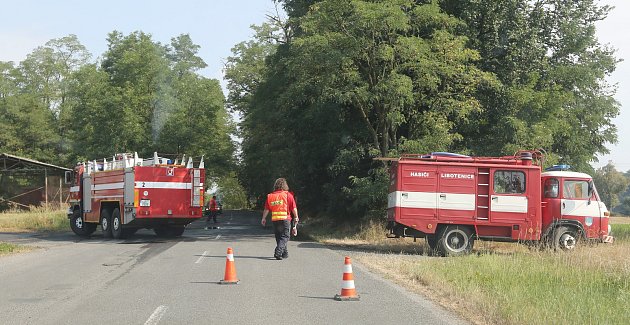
217,25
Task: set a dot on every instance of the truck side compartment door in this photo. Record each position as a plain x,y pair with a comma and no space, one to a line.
457,192
416,195
129,196
508,201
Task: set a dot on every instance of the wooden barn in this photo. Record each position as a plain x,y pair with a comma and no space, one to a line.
25,183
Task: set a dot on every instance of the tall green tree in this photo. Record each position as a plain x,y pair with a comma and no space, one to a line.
47,73
27,124
552,92
610,183
148,97
361,79
358,79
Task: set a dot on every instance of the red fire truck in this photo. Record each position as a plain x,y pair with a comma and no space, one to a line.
452,199
128,193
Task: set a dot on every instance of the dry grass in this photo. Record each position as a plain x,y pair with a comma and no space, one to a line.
38,219
506,283
7,248
619,220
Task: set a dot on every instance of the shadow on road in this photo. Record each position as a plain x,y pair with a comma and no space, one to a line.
321,298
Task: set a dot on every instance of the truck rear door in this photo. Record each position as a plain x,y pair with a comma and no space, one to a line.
416,192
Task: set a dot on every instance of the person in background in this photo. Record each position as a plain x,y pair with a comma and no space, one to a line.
214,210
281,203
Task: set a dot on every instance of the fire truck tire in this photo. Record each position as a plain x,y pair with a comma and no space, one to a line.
116,224
106,222
80,227
565,238
455,241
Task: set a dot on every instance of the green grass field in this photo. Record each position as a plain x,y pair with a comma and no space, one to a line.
621,231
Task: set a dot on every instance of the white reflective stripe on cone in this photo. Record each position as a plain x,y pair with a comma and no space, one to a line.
230,257
347,268
349,284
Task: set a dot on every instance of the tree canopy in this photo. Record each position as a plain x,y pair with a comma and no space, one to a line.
359,79
57,106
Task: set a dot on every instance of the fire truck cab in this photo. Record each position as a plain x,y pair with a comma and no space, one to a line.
128,193
452,199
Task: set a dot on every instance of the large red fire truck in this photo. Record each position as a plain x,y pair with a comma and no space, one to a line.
452,199
128,193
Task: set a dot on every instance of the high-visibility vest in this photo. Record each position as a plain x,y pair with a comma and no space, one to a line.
278,205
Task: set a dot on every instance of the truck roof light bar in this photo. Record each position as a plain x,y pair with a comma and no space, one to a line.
563,167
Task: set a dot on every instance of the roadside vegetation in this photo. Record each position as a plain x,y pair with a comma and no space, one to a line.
37,219
7,248
503,283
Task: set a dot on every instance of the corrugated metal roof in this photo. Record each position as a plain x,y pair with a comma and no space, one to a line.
32,161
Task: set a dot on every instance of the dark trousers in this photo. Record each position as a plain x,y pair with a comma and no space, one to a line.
282,231
213,216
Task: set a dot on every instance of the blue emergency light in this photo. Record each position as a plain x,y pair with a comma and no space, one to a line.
555,168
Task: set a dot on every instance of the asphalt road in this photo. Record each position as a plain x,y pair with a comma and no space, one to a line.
150,280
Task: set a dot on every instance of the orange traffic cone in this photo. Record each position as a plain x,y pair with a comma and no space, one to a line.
347,288
230,269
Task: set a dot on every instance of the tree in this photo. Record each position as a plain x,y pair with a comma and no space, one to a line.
610,183
148,97
47,73
358,79
232,193
397,66
624,198
552,92
28,126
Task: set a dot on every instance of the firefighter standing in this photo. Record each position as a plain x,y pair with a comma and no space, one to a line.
281,203
214,209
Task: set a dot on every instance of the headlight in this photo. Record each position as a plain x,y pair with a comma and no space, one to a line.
145,203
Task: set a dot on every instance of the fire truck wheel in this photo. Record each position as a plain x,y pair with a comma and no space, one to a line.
455,240
565,238
80,227
116,224
106,223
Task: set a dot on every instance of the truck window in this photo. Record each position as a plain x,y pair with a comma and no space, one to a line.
509,182
551,188
575,190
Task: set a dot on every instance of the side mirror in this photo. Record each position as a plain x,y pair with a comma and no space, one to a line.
69,177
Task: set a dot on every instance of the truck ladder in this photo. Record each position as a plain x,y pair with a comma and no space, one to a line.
483,193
